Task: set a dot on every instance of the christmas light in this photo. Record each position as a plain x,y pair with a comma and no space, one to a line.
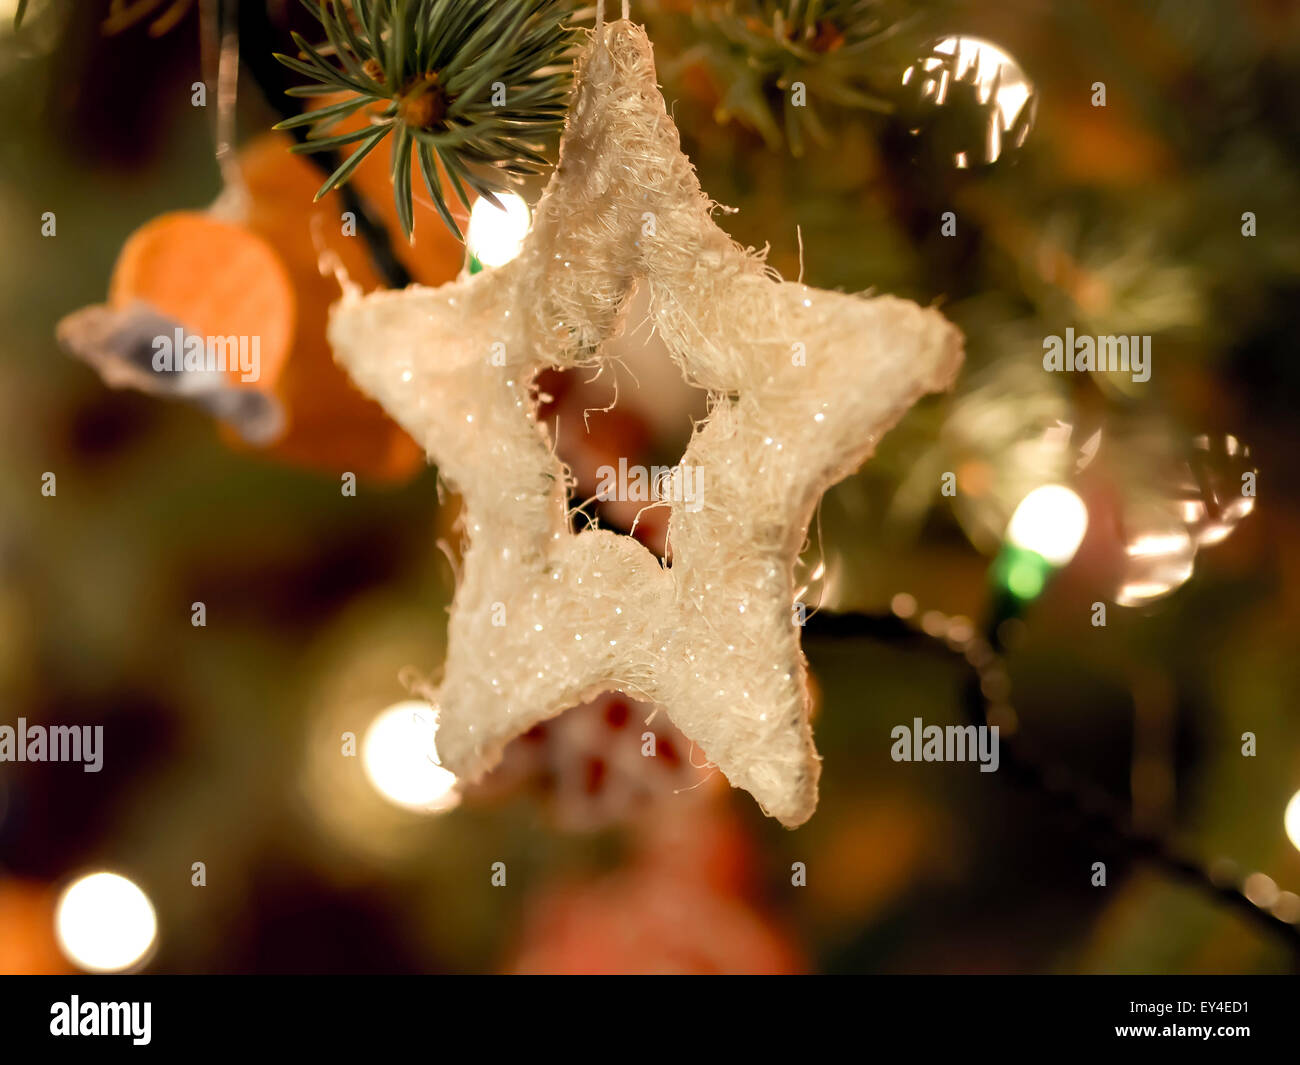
1291,820
401,760
496,234
105,923
1050,521
1044,533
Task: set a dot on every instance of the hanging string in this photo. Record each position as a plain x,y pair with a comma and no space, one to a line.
600,12
219,25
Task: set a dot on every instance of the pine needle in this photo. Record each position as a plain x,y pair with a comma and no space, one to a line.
469,86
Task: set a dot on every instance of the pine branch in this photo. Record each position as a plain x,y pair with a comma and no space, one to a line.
460,85
761,50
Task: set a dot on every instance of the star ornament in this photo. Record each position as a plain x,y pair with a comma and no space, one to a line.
803,383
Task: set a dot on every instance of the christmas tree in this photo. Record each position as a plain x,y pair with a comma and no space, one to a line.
430,422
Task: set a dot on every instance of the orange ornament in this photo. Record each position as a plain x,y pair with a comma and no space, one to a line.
214,278
331,424
271,275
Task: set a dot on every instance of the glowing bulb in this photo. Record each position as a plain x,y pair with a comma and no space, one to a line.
495,235
1291,819
1051,520
104,923
401,759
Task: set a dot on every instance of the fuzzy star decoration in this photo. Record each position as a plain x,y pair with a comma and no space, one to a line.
803,383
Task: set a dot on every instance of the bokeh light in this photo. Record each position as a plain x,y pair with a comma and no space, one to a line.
1024,574
1291,819
401,759
1051,520
495,234
105,923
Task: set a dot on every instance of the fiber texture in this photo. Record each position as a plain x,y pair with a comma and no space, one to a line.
803,384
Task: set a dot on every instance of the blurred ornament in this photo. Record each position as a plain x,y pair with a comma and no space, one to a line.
968,102
331,425
1160,553
680,905
1218,490
187,284
1198,501
261,266
599,764
270,274
200,308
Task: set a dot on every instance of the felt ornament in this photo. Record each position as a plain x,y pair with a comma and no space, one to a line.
679,904
596,765
332,426
260,265
175,326
802,385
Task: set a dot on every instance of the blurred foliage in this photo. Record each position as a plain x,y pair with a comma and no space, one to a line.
759,55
